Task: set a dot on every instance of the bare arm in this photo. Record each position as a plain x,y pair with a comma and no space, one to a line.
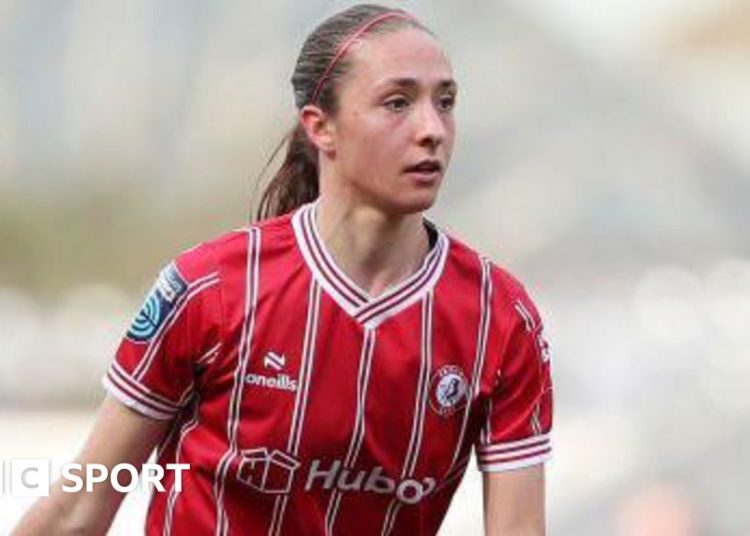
120,435
514,502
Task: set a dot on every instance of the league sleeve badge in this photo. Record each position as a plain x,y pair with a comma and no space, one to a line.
159,302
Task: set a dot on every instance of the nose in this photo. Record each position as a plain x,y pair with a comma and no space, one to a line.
430,126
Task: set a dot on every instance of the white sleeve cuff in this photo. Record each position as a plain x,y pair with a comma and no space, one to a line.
135,395
511,455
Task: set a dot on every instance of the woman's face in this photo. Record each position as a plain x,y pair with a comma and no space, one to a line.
395,112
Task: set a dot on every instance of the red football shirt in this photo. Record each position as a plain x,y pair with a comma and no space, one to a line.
305,406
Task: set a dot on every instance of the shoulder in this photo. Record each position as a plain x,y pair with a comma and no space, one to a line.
463,259
515,321
508,285
506,288
468,258
231,247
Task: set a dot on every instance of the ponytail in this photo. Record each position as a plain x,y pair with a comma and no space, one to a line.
296,181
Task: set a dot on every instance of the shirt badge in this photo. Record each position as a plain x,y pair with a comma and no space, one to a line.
448,390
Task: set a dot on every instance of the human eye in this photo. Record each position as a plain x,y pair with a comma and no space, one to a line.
447,102
397,103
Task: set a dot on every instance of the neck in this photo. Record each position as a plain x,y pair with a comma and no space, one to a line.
374,249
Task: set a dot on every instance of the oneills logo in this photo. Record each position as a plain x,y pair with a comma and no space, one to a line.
281,382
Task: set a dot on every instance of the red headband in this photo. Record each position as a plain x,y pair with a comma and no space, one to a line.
346,44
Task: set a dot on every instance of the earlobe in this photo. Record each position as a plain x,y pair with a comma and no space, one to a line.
318,127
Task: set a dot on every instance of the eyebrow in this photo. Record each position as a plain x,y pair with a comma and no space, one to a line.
410,83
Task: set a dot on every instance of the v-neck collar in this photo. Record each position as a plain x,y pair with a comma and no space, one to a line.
365,309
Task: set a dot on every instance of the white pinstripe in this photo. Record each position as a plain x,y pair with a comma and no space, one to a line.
300,403
252,279
187,427
482,334
524,313
420,404
365,363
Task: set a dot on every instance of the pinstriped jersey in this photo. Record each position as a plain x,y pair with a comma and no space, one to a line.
303,405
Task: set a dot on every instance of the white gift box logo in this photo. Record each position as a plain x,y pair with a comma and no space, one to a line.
267,472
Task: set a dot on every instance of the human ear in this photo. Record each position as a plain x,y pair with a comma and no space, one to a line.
318,127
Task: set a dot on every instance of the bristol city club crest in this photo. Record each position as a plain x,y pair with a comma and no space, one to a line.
448,390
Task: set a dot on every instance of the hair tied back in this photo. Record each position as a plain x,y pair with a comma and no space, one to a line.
345,45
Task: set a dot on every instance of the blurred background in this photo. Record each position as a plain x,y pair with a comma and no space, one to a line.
603,157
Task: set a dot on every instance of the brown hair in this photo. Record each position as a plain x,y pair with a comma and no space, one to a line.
314,81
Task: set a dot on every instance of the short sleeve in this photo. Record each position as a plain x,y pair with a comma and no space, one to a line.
176,331
516,433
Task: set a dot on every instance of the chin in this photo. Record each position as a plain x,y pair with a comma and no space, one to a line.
411,203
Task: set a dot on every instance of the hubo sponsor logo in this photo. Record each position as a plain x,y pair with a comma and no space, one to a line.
280,381
273,472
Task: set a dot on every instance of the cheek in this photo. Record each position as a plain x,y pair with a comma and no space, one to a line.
450,134
450,126
367,143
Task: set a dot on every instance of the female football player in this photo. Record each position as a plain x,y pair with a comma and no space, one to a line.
330,368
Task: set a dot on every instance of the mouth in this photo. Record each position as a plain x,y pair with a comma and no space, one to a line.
426,170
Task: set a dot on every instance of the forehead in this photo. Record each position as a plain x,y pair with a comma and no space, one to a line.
398,54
